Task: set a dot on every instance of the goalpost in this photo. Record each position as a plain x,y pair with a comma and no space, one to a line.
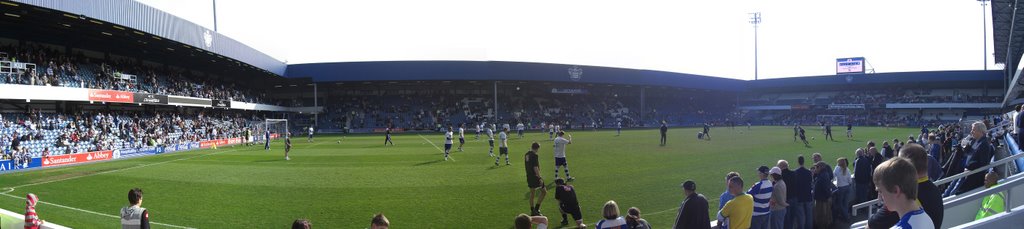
277,127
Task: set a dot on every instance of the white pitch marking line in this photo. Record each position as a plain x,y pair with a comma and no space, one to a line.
118,170
435,146
11,189
91,212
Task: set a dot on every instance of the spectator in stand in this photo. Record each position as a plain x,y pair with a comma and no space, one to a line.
379,222
992,204
727,195
789,177
887,151
897,190
1018,124
842,182
633,220
822,191
611,217
778,202
978,155
32,220
524,221
876,159
803,215
693,212
301,224
927,194
762,195
737,212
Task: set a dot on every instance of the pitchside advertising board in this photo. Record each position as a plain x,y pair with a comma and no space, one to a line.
111,96
69,159
149,98
852,65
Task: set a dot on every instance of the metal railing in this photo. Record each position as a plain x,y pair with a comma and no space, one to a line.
1003,187
1007,160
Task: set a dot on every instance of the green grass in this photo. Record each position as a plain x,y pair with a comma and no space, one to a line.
343,185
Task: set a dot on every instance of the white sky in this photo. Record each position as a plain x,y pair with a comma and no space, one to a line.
796,38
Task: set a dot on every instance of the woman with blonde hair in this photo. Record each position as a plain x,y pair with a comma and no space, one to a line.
611,217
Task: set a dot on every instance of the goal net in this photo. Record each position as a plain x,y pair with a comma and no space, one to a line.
277,127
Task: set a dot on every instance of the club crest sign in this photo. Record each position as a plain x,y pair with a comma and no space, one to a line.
575,73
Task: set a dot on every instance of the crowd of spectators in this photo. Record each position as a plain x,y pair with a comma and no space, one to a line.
53,68
430,110
37,134
894,95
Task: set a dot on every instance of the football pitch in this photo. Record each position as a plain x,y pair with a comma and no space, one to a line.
342,185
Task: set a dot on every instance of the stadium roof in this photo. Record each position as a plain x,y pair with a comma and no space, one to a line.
133,29
934,79
502,71
1007,32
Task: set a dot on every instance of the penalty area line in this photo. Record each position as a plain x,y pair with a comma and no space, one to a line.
435,146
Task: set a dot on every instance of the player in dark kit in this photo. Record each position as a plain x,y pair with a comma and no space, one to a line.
828,132
803,136
567,202
796,132
287,147
707,128
387,136
849,131
664,131
533,179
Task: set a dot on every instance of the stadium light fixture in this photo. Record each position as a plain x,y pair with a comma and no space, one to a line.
106,33
755,19
984,32
10,4
12,15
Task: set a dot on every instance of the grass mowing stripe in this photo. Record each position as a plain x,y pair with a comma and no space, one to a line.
118,170
11,189
435,146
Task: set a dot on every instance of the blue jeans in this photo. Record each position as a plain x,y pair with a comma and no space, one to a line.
842,202
801,215
790,217
778,218
759,222
808,214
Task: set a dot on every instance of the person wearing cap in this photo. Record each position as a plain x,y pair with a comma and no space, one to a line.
693,212
32,220
134,216
778,202
762,193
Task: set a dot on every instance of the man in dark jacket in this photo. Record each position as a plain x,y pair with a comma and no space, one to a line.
693,212
803,216
979,155
862,175
788,177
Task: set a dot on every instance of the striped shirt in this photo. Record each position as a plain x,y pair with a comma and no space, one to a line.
762,193
31,219
916,219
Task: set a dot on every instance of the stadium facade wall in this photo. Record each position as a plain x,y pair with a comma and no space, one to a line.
829,81
29,92
502,71
138,16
